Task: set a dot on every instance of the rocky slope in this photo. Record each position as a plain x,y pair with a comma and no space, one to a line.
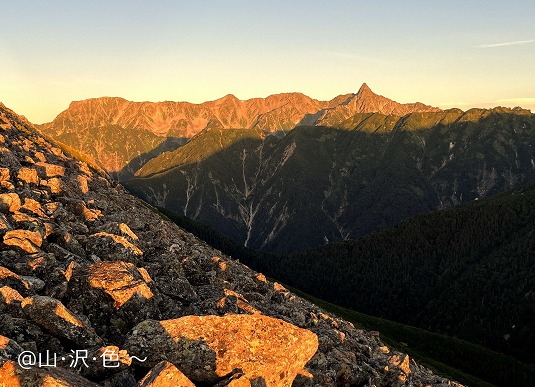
121,135
319,184
121,296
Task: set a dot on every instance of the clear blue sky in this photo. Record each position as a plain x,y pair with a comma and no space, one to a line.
462,53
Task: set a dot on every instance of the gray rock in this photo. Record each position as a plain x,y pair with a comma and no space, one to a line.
57,319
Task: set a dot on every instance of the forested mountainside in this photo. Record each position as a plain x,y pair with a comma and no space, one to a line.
120,135
468,271
320,184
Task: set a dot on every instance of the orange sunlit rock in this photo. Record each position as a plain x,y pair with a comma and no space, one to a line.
126,230
8,375
4,174
28,175
165,374
9,295
33,206
9,202
12,375
120,240
49,170
25,240
121,280
56,318
82,183
7,277
401,364
210,347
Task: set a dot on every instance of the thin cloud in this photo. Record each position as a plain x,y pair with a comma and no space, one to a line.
514,43
453,104
518,100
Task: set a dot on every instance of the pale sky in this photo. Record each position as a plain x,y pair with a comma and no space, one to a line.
447,53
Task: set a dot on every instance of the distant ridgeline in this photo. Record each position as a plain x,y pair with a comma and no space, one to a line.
298,173
120,136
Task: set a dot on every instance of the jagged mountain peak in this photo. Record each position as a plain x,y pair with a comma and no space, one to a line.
227,98
90,124
364,89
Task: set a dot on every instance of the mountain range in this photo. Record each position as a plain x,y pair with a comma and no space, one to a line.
120,135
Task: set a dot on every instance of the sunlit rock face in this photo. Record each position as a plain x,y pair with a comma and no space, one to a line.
88,270
165,374
120,136
211,347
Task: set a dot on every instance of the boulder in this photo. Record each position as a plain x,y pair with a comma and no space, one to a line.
55,185
8,159
10,301
12,280
4,174
28,175
165,374
57,319
79,208
171,280
82,184
116,295
25,240
207,348
9,202
113,247
46,170
13,375
34,207
121,280
9,349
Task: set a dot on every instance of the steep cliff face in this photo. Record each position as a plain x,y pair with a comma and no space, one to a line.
321,184
121,135
93,278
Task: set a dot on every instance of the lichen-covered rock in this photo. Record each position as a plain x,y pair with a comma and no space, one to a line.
13,375
207,348
13,280
52,315
25,240
9,349
165,374
114,295
121,280
28,176
9,202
